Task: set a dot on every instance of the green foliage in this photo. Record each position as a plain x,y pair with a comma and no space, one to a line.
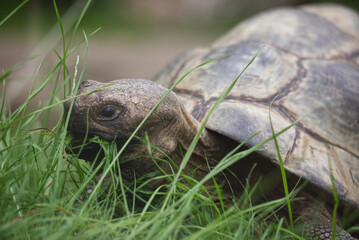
44,193
44,189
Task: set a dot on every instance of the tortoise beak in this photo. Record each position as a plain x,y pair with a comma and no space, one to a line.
84,149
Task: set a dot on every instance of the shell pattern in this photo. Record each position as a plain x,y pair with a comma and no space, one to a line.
310,63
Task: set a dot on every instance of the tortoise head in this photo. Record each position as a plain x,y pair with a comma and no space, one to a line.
112,111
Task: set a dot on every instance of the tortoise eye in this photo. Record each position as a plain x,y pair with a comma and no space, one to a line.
108,113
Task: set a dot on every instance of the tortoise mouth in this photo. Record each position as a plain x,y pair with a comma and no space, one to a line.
82,146
89,149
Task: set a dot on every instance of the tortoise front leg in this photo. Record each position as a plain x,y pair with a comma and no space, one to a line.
316,221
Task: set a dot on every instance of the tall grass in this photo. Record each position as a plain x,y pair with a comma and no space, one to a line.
45,191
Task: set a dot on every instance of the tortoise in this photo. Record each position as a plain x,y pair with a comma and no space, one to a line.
309,63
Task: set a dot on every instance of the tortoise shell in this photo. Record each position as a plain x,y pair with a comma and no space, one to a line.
310,64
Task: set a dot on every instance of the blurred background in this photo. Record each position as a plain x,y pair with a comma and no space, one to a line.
137,37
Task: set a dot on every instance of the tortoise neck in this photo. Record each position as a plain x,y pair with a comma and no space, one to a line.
210,148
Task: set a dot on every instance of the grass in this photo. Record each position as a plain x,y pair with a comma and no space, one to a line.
13,12
282,170
44,189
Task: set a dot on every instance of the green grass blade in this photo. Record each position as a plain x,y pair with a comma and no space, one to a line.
63,38
295,236
13,68
336,202
282,169
13,12
77,24
2,108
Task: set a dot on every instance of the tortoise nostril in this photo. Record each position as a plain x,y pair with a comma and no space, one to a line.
84,83
67,105
87,83
76,105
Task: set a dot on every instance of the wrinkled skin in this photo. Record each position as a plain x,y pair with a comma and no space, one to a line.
115,111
